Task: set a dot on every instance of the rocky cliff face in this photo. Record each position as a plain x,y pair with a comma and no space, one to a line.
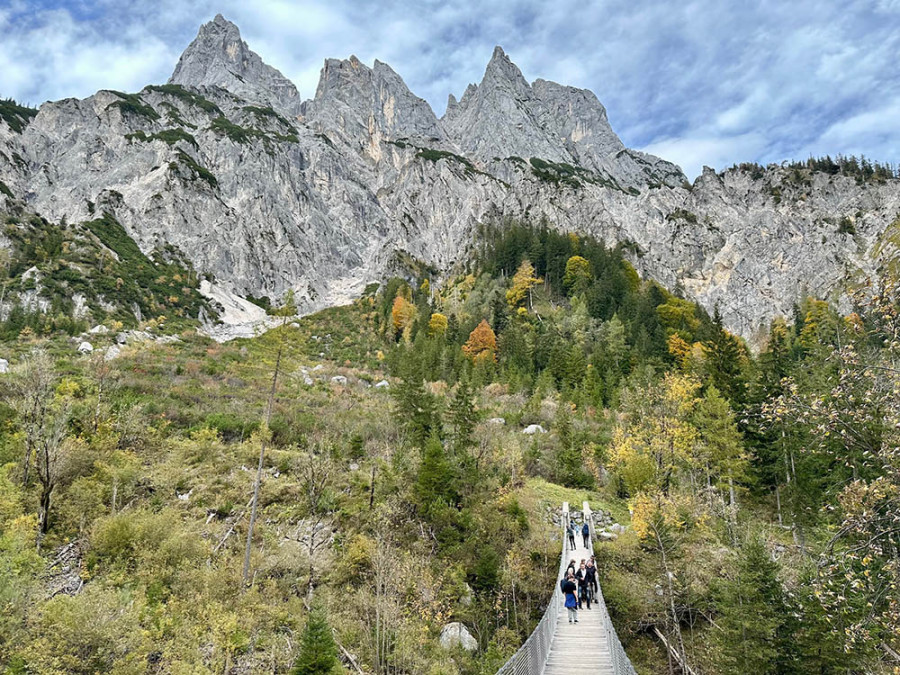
265,193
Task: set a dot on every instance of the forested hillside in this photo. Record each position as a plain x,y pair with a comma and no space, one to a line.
759,492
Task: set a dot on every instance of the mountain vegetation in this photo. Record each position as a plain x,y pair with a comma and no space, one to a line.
759,491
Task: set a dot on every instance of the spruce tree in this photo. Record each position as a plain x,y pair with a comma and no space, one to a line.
462,417
318,651
752,610
435,487
415,408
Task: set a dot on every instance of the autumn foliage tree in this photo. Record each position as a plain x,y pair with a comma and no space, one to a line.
437,325
578,275
482,344
522,283
403,313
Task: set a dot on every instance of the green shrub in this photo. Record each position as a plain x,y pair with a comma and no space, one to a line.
238,134
15,115
133,105
189,97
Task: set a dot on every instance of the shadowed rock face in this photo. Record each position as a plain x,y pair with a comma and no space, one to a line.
268,194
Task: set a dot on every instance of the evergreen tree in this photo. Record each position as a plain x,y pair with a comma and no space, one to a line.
752,612
462,417
318,651
723,363
415,408
435,488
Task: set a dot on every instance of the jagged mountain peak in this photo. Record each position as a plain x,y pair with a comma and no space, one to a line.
360,104
219,57
501,70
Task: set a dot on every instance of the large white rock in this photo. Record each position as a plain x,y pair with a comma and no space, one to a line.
339,379
454,634
85,347
384,384
534,429
4,366
112,352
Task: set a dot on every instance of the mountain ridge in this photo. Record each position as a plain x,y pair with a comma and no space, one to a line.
265,192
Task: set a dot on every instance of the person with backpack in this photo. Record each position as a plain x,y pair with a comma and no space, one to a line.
586,534
569,588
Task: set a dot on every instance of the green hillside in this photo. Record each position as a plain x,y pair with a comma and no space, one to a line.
759,492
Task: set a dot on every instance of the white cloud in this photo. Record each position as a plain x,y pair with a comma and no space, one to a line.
698,82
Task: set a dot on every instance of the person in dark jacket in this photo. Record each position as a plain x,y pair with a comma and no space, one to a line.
586,535
584,591
572,568
592,572
569,589
590,581
571,530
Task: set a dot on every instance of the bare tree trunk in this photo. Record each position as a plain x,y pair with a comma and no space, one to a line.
259,468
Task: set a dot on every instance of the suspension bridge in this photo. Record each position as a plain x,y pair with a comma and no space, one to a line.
557,647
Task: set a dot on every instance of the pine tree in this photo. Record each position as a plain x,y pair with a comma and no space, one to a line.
318,651
752,610
462,417
724,358
415,408
435,487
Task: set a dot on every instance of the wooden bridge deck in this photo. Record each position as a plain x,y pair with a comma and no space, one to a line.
580,648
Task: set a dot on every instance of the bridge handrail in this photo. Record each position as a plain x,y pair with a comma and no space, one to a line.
532,655
621,663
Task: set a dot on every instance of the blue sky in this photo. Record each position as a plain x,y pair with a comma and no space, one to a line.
696,82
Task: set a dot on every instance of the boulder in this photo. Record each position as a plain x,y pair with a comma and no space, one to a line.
121,338
98,329
308,381
454,634
112,352
384,384
4,366
85,347
339,379
534,429
497,420
607,536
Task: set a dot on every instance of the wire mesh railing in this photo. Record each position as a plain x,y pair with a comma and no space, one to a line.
532,655
620,662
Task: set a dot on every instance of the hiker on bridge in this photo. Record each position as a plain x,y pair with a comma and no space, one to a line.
586,534
571,531
569,588
584,587
591,572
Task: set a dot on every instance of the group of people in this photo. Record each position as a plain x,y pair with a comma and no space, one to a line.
579,586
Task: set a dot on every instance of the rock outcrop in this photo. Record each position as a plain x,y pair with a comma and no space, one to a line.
266,193
218,57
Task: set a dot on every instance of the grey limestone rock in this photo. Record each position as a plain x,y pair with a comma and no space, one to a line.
218,57
456,634
326,196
